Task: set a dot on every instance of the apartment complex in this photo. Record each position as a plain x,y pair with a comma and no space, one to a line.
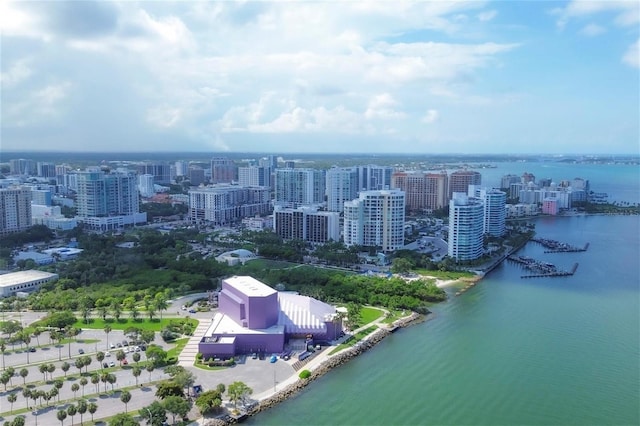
107,201
307,224
223,170
466,227
342,185
423,191
15,209
374,178
299,187
460,180
226,204
254,176
375,219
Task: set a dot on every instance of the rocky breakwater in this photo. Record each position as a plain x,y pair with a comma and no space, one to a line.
331,362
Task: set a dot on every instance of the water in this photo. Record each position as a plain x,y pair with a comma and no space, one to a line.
510,351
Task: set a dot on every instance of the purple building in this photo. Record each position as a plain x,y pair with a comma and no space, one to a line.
253,317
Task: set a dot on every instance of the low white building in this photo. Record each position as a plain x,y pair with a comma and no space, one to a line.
24,281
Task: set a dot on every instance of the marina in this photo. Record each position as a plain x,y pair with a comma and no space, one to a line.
540,269
554,246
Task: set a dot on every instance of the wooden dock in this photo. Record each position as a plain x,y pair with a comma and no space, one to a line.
554,246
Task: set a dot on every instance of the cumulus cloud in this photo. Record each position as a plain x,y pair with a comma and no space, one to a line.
632,56
488,15
592,30
431,116
627,13
17,73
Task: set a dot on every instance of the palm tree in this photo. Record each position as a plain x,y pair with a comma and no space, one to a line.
3,348
103,311
136,371
116,309
24,373
72,411
82,408
65,367
83,383
50,369
150,368
161,303
75,388
12,397
61,416
93,407
100,357
95,379
111,378
135,314
107,330
43,369
125,396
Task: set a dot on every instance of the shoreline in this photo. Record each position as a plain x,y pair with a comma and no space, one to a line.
332,361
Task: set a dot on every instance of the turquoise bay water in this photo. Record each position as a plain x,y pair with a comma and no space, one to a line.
510,351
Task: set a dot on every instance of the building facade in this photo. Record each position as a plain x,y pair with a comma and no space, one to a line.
375,219
423,191
342,185
307,224
460,180
226,204
223,170
374,178
466,224
254,176
15,209
299,187
24,282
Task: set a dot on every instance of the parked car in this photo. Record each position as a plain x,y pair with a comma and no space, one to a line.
105,365
108,354
112,346
192,311
125,343
112,364
125,362
254,355
137,349
32,349
81,351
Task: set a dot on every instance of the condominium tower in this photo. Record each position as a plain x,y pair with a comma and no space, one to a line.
466,223
375,219
15,209
342,185
299,187
460,180
422,190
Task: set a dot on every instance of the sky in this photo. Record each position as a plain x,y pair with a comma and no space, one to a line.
330,76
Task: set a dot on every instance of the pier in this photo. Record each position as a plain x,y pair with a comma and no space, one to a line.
541,269
554,246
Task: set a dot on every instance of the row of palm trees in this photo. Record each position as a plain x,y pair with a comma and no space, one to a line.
152,306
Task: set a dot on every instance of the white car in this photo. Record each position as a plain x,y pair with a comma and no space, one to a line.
137,348
108,354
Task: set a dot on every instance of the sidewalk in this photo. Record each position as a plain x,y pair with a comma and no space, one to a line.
188,355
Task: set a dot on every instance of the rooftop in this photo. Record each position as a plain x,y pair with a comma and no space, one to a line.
250,286
14,278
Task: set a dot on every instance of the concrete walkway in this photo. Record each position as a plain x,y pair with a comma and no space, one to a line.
188,355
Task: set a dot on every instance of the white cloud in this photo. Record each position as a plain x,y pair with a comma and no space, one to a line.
431,116
382,107
627,13
488,15
632,56
18,72
592,30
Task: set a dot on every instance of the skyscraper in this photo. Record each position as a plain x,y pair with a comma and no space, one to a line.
374,178
422,190
108,201
254,176
223,170
15,209
495,213
460,180
466,223
299,187
161,172
375,219
342,185
306,224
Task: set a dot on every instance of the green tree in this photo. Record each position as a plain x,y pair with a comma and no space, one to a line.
58,383
176,406
100,357
208,401
75,388
61,415
95,379
12,397
83,383
238,391
92,408
72,411
156,355
3,348
136,357
161,303
169,388
136,371
120,356
122,419
155,414
60,320
24,373
82,407
125,397
65,367
150,367
107,330
147,336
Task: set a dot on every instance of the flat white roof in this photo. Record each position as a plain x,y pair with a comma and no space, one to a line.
223,324
250,286
14,278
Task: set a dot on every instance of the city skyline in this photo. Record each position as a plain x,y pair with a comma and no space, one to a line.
357,77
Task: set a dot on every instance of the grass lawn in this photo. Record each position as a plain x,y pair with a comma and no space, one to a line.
175,351
124,323
369,314
444,275
354,339
394,315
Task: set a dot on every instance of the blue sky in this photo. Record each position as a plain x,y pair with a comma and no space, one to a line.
354,76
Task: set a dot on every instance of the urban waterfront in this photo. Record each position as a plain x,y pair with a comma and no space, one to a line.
509,351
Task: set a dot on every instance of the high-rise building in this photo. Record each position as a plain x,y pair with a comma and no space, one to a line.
46,170
254,176
307,224
374,178
41,196
196,175
466,223
146,185
375,219
299,187
223,170
108,201
460,180
227,204
161,172
181,168
507,180
341,186
15,209
495,212
422,190
21,166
